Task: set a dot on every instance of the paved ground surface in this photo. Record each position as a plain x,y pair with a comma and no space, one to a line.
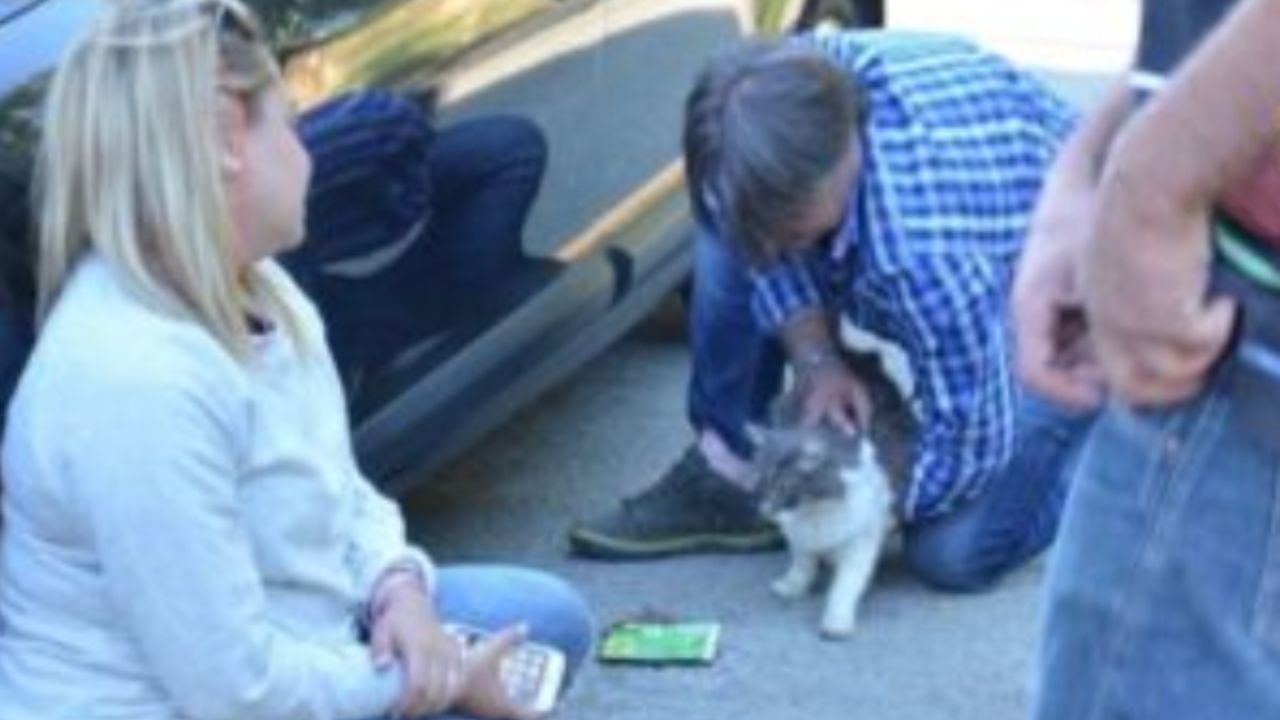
917,655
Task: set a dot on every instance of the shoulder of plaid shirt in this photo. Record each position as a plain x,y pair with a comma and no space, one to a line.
955,144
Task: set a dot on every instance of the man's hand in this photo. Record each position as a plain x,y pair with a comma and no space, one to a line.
1146,278
485,695
407,629
831,394
1054,351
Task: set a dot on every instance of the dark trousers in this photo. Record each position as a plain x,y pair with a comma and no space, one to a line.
406,224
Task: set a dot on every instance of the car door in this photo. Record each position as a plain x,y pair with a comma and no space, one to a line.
652,54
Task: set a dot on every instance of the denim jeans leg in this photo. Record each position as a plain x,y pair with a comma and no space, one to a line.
1015,516
485,176
1164,590
495,597
737,367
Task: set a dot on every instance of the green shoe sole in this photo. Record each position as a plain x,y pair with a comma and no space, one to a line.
588,543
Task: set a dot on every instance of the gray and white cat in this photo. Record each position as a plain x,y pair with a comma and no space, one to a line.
835,496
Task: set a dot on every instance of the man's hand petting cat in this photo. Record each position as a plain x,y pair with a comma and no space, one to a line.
831,394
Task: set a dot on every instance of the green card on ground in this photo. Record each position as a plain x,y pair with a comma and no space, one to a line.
661,643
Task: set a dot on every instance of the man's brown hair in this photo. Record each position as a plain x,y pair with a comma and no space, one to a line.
764,126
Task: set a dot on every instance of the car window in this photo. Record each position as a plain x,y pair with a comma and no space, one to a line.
388,42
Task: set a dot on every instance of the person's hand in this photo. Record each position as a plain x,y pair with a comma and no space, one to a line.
1054,350
406,629
1146,279
485,695
831,394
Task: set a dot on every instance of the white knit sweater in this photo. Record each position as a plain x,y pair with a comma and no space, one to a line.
185,536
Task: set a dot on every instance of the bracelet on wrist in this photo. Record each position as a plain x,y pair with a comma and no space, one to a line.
406,574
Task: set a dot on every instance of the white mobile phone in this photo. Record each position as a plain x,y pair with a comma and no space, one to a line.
532,672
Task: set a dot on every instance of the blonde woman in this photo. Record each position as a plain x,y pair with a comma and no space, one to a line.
186,532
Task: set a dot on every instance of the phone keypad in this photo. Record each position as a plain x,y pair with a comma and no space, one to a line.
522,669
522,674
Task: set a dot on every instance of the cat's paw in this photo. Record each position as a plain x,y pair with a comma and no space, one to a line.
837,628
790,587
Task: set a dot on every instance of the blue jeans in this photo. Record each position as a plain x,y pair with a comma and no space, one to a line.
738,370
1016,515
495,597
737,366
1164,592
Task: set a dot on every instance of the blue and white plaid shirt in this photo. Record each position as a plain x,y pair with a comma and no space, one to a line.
955,146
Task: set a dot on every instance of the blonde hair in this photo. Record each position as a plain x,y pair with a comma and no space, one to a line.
129,163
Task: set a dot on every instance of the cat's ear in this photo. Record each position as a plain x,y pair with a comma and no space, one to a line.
867,453
814,450
848,449
814,444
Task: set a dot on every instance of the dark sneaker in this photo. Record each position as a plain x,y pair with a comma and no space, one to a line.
691,509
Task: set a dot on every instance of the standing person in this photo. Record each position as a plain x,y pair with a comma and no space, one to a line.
1163,592
186,532
887,178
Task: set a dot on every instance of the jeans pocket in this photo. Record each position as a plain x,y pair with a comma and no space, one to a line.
1156,447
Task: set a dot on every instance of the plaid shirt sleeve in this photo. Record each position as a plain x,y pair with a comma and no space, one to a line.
952,310
788,288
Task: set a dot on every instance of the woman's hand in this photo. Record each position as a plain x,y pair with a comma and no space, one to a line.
406,628
485,695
